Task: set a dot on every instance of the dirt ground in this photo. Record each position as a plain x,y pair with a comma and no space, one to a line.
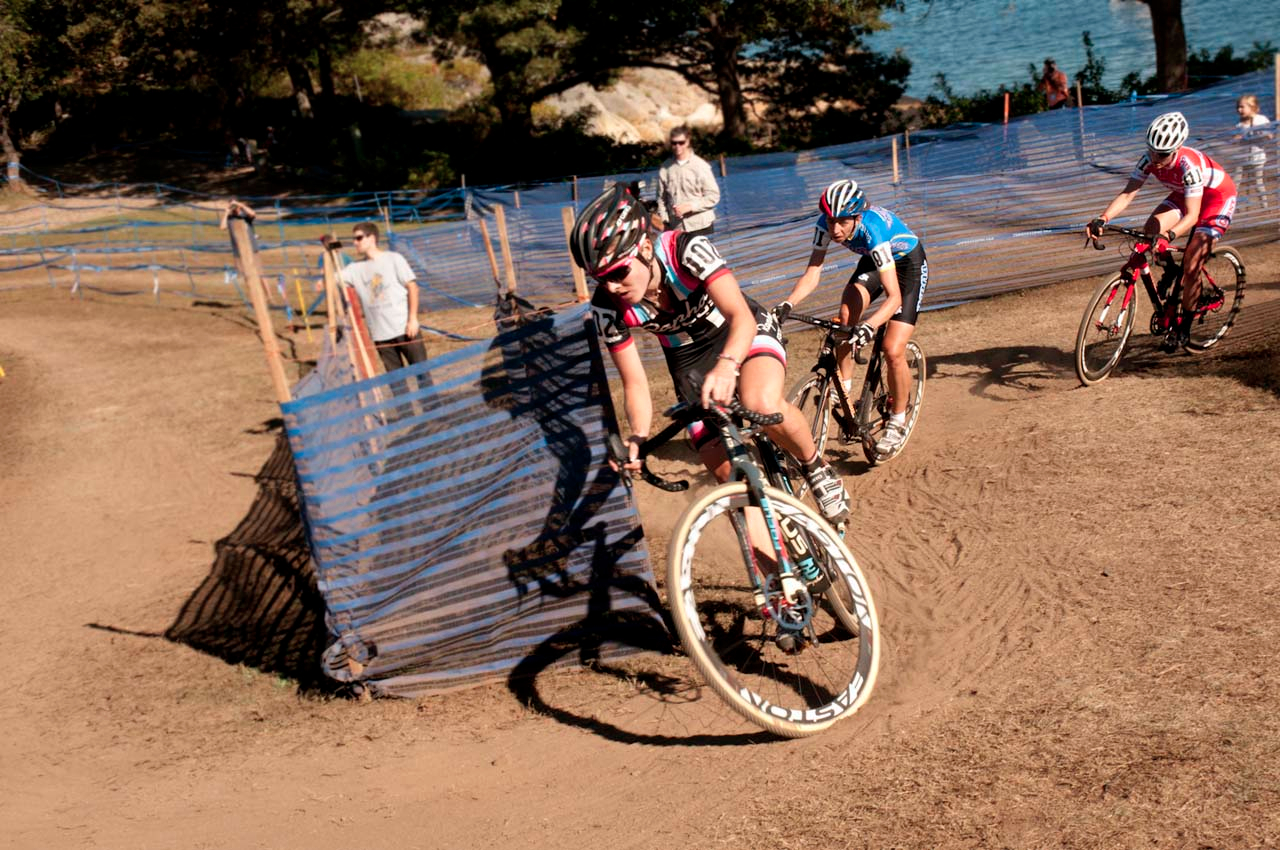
1079,591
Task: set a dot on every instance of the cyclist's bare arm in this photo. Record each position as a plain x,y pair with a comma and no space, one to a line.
1121,201
892,296
809,280
722,381
636,398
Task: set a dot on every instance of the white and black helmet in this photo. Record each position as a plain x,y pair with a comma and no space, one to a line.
1167,133
842,199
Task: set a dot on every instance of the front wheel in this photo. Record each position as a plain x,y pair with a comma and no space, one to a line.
877,405
1221,296
1104,330
795,665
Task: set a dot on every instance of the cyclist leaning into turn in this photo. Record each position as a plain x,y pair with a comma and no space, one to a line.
893,262
1201,200
677,287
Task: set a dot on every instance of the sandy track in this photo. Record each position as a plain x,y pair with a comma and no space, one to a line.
1079,592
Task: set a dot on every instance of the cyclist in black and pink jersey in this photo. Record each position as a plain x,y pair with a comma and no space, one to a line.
678,287
1201,200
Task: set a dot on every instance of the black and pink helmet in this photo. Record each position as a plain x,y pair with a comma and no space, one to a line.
607,232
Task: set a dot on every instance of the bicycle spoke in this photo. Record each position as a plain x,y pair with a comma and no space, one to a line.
792,681
1105,329
1221,296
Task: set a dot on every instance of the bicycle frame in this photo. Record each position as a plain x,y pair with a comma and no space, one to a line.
827,368
746,466
1164,305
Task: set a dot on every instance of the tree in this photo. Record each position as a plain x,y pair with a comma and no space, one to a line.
801,56
534,48
1171,44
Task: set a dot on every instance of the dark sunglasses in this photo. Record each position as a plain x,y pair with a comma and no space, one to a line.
359,236
617,275
675,143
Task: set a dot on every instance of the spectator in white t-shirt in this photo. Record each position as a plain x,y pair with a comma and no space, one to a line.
389,295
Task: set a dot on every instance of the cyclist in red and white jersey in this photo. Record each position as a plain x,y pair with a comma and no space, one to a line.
678,287
1201,200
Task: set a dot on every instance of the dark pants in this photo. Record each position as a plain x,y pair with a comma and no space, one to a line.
399,352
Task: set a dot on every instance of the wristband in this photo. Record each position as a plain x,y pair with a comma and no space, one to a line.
737,365
1170,235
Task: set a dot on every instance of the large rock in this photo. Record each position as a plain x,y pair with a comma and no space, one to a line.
642,106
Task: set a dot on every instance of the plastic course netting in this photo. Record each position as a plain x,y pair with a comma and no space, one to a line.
999,207
463,521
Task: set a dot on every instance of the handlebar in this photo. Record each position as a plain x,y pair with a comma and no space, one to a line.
843,332
1138,236
682,415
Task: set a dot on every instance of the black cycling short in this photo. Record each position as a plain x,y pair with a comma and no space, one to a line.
688,370
913,277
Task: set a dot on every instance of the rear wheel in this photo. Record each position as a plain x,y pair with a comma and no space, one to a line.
1105,329
797,668
877,405
814,398
1221,296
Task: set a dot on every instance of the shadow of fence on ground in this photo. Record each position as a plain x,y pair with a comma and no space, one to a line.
259,605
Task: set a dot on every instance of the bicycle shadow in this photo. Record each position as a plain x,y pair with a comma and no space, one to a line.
1249,354
1026,370
535,379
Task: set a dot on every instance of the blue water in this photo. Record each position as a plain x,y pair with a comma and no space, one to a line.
981,44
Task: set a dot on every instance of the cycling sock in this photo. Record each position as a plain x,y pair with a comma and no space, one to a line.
813,464
898,418
847,383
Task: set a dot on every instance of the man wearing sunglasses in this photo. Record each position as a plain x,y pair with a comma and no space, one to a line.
1201,200
389,295
717,342
687,190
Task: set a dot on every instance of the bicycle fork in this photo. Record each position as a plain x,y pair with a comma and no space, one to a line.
1126,304
780,594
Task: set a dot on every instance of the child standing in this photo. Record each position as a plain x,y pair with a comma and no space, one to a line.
1251,133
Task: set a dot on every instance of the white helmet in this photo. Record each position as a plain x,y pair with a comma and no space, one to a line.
1167,133
842,199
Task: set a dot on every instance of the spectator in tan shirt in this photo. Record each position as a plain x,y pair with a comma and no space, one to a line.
687,190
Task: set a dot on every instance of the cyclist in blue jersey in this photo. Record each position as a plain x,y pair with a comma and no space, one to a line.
677,286
893,263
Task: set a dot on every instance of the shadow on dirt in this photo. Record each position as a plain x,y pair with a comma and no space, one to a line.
1012,367
259,605
1250,353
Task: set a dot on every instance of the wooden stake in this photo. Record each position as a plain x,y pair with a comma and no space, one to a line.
1006,107
724,172
517,197
488,250
895,160
501,217
575,188
579,278
1079,96
242,242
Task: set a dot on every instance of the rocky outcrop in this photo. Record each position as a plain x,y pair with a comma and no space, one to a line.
642,106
